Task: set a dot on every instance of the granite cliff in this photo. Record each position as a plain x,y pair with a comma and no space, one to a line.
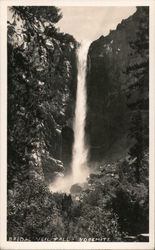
41,96
109,116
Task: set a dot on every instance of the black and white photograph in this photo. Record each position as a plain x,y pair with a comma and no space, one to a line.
78,124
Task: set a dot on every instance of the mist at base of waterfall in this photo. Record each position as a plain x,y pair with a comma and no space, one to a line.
63,184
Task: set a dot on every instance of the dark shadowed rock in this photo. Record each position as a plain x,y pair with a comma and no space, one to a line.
108,115
75,189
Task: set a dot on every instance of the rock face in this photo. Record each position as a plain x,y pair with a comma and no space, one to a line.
67,136
41,96
108,115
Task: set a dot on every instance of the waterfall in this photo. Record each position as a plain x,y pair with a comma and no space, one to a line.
80,151
79,168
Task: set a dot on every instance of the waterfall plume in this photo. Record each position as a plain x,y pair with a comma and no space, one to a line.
80,150
79,166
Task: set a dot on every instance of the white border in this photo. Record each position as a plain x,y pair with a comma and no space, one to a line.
3,126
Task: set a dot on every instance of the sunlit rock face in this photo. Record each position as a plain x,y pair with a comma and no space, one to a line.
108,115
41,111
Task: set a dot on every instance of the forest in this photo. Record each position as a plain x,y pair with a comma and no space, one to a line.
113,205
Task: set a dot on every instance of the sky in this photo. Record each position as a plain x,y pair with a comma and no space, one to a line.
89,23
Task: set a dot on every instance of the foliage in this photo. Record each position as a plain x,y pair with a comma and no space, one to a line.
111,206
40,74
131,206
40,214
41,69
115,186
94,222
31,14
138,91
35,214
131,203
